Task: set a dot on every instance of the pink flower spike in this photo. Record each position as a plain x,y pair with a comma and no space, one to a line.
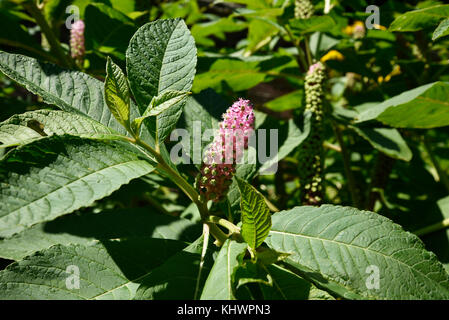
77,48
226,150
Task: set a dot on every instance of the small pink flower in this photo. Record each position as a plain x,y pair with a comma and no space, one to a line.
314,67
226,150
77,48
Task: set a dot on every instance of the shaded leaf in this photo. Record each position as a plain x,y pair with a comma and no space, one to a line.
220,284
87,228
107,270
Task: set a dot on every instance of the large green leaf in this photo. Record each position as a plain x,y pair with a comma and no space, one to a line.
116,93
107,270
29,126
239,75
260,33
177,277
386,140
424,107
218,29
54,176
256,217
442,30
220,284
87,228
71,91
340,249
161,56
420,19
313,24
289,101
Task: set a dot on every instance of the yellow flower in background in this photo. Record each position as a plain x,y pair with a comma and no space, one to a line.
332,55
379,27
356,30
396,71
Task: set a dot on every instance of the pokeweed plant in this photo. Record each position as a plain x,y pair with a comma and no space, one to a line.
107,134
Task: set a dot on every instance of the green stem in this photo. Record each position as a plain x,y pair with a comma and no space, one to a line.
352,186
302,59
219,235
308,53
206,231
176,178
54,43
441,174
432,228
225,223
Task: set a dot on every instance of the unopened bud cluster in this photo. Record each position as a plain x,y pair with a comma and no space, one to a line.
304,9
311,171
225,151
77,48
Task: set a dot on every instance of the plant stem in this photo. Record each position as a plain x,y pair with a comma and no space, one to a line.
302,60
225,223
219,235
441,174
206,230
54,43
432,228
352,185
308,53
379,179
177,178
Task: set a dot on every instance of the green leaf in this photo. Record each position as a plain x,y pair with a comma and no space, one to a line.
161,56
289,101
423,107
220,284
72,91
51,177
218,29
160,104
420,19
286,285
442,30
313,24
295,136
107,270
239,75
107,30
29,126
256,217
386,140
116,93
177,277
260,34
88,227
338,248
